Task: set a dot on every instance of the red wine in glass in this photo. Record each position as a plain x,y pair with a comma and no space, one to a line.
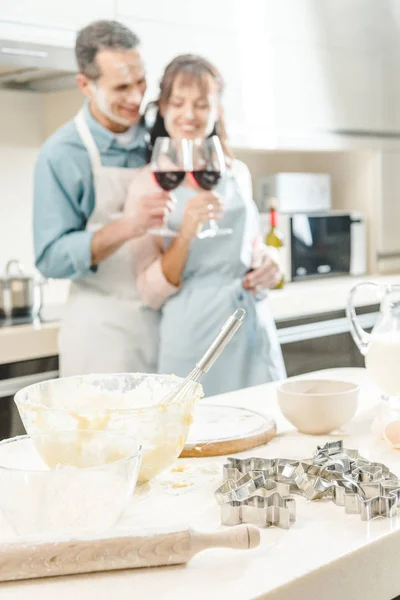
169,180
208,165
170,161
207,179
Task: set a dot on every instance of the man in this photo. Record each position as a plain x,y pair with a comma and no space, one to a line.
81,179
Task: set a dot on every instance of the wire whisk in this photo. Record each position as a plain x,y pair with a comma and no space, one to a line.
208,359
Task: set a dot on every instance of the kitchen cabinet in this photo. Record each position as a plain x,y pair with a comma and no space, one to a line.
50,22
211,14
13,377
320,66
356,24
326,88
57,15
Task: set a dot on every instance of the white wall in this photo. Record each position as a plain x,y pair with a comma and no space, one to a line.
21,135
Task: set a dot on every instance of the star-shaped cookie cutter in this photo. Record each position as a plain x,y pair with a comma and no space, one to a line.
243,487
373,500
281,470
333,456
255,498
260,511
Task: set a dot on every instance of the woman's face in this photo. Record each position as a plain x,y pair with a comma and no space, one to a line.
192,109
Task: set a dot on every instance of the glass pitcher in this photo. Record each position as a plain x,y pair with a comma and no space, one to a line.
381,349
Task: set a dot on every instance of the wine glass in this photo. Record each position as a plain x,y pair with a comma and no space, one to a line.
208,165
170,159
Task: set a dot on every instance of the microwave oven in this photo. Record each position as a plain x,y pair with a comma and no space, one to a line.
321,244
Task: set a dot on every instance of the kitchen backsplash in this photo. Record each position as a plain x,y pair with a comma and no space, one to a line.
26,119
59,107
22,133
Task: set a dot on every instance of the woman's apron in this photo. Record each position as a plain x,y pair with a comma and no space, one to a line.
212,290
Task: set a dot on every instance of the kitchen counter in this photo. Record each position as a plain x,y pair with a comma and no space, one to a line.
295,300
326,553
303,298
24,342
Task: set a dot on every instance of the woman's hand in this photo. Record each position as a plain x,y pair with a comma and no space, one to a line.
266,269
203,207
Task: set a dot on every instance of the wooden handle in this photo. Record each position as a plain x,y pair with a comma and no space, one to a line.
242,537
20,560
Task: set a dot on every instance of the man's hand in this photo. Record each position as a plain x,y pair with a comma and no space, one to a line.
149,212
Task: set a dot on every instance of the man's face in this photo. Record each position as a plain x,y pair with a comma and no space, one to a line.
119,91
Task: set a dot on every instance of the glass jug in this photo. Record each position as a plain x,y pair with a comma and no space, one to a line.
381,349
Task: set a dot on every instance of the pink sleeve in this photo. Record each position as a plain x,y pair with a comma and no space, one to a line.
153,287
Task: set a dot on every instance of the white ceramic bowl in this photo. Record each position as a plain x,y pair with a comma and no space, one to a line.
318,406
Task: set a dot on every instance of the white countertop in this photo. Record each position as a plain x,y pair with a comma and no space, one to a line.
295,300
304,298
326,553
24,342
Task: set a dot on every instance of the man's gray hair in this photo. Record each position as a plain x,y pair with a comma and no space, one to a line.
97,36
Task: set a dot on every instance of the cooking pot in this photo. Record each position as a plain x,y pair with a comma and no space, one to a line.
20,294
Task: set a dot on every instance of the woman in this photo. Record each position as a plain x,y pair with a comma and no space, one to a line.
196,282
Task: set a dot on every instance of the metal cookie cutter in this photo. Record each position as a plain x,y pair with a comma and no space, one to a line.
373,500
333,456
255,498
372,472
364,487
256,490
250,484
281,470
320,482
303,478
261,511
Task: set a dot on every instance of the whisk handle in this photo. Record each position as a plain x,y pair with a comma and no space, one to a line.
223,338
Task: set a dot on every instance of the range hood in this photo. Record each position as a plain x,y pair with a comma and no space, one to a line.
36,67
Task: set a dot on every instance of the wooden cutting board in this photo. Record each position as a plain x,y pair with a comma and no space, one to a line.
219,430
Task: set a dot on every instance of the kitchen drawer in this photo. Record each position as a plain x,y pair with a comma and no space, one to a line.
15,376
322,341
325,352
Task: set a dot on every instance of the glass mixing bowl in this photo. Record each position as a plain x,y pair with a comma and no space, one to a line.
64,482
127,403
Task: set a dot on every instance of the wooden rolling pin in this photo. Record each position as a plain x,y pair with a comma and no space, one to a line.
23,560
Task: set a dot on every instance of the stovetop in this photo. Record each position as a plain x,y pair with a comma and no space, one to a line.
23,320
